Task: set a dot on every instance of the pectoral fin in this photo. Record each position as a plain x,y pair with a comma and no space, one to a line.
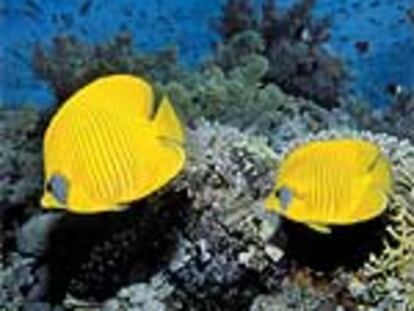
319,228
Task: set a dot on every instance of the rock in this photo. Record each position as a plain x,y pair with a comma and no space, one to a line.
38,306
269,303
111,305
32,240
141,296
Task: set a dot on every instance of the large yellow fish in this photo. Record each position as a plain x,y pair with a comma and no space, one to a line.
335,182
106,147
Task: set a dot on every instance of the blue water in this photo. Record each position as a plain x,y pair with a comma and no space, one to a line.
187,24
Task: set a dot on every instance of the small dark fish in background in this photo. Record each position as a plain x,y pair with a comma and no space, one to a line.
401,21
375,21
344,38
34,6
394,89
85,7
374,4
362,46
31,15
66,19
356,5
128,10
410,15
401,7
344,13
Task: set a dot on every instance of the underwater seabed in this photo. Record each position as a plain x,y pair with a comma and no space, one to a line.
200,243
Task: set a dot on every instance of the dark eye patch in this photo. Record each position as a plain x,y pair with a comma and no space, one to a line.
277,193
285,196
58,186
48,186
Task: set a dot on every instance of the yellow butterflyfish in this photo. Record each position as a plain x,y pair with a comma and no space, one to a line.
105,146
334,182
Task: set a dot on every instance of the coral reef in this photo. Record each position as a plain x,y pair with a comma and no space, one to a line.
394,119
230,89
397,118
69,64
224,257
202,243
20,160
239,98
13,279
219,253
151,296
20,170
386,278
221,257
293,44
237,16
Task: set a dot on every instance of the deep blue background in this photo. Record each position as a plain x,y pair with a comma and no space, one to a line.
187,23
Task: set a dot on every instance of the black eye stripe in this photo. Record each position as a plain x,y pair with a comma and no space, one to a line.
49,186
58,186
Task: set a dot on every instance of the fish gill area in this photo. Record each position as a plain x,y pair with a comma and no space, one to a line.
201,242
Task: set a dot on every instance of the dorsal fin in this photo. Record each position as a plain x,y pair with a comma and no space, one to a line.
368,157
167,122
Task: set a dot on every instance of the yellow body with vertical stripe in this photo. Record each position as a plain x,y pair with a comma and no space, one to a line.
109,147
336,182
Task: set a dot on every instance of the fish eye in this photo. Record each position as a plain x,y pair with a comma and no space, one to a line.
58,186
278,193
48,186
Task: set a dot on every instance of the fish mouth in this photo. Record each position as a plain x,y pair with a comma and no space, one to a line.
272,205
49,202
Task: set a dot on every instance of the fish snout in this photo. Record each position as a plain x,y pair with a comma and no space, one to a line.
48,201
272,204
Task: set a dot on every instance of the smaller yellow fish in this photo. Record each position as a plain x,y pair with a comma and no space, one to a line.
106,147
335,182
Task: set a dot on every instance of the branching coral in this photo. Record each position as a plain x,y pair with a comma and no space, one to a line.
238,97
397,260
238,16
398,117
20,156
232,90
293,45
70,64
395,119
